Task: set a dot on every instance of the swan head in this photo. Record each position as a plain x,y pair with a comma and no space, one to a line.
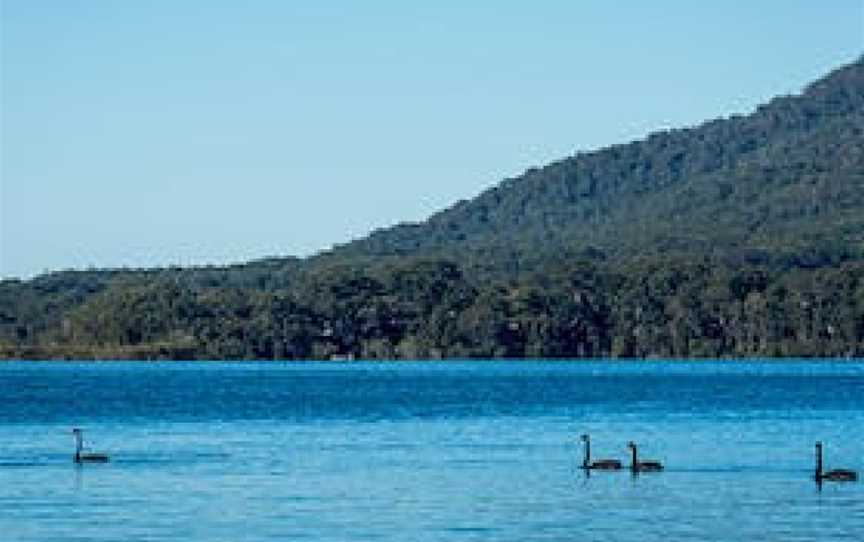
631,444
584,437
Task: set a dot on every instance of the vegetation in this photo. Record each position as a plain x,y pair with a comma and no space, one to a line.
740,237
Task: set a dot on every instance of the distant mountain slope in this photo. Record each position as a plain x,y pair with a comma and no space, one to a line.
795,162
739,237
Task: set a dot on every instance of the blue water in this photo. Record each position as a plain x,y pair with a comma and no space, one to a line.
428,451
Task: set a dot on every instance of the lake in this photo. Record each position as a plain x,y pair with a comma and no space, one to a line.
461,451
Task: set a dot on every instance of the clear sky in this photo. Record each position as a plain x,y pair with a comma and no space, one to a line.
204,131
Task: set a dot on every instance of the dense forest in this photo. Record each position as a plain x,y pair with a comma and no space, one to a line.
741,237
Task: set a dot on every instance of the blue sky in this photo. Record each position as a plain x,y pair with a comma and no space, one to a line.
192,132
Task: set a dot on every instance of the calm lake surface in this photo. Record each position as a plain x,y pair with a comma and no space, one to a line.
428,451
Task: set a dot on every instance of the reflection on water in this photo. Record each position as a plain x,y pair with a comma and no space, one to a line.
468,451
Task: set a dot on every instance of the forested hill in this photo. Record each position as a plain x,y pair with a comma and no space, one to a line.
779,183
740,237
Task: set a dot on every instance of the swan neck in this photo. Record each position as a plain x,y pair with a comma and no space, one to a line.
587,460
818,461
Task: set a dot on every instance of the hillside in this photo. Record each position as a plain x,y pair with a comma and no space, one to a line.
739,237
794,163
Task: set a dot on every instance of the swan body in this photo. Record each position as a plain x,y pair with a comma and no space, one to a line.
835,475
82,456
642,466
605,464
600,464
90,457
840,475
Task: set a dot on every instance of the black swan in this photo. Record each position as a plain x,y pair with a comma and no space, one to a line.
642,466
85,457
835,475
600,464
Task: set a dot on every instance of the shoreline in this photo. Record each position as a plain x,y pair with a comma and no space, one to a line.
444,361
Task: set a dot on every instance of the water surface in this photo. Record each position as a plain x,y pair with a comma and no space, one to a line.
428,451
